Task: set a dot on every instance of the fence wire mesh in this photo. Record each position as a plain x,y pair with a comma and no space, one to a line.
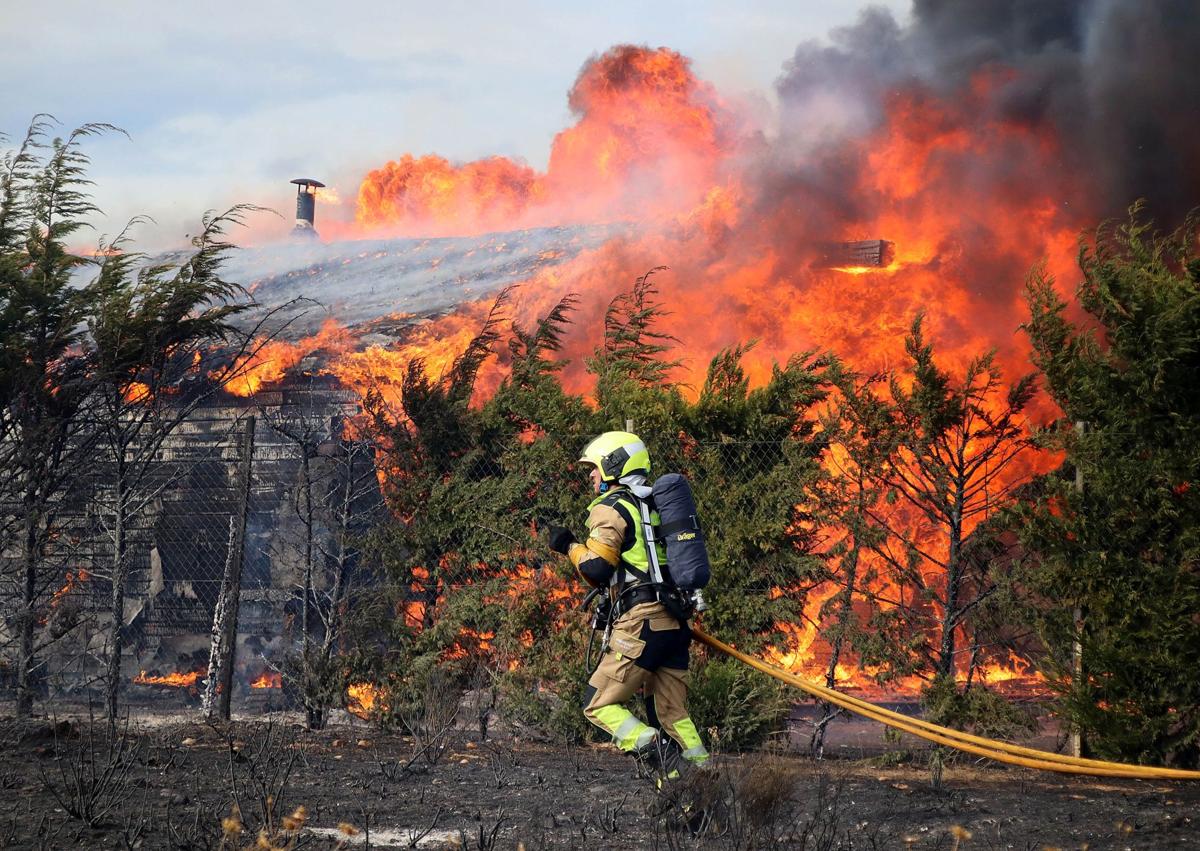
449,518
312,492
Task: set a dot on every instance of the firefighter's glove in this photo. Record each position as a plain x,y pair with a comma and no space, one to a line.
560,538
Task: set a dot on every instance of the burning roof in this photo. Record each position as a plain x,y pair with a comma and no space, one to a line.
365,283
923,167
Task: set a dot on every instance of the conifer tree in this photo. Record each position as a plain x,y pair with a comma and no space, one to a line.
956,440
633,341
849,505
1125,550
753,456
46,374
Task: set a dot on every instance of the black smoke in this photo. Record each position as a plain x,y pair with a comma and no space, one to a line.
1118,81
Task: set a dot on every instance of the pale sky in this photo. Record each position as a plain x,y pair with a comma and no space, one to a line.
225,102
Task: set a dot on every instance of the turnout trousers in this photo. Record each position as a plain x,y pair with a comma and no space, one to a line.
648,652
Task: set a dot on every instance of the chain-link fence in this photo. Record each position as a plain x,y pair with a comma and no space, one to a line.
275,497
818,561
173,537
189,516
478,512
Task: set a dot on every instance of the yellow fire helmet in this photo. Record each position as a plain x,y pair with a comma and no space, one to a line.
617,454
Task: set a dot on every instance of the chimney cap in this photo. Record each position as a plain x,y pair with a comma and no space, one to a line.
307,181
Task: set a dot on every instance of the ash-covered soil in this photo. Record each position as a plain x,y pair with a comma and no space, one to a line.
170,785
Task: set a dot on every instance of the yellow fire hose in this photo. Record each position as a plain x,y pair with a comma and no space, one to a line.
990,748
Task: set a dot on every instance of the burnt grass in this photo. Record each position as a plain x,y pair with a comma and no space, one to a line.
70,784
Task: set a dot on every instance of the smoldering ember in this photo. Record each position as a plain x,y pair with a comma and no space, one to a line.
804,460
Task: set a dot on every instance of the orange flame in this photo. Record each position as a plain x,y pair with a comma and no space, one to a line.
268,679
969,197
364,700
74,578
174,679
648,135
470,640
744,255
268,362
430,191
136,391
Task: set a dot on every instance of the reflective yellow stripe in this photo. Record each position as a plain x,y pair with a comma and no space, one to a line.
628,726
579,553
609,554
627,731
636,556
611,717
695,750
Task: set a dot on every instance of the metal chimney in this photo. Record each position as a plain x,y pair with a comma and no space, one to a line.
306,205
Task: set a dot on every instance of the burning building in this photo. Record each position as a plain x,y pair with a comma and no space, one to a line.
312,488
923,167
918,168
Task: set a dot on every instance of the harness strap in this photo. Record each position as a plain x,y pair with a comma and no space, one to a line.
618,578
635,595
656,574
691,523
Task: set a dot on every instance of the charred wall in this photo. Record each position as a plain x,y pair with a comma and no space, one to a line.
302,462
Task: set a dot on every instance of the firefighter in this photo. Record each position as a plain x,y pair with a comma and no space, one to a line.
648,649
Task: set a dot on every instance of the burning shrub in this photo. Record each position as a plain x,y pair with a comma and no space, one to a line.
470,487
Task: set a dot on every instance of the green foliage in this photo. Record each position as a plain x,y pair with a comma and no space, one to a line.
736,706
850,507
1126,549
547,689
751,455
471,486
43,313
977,709
894,751
955,438
148,323
632,348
